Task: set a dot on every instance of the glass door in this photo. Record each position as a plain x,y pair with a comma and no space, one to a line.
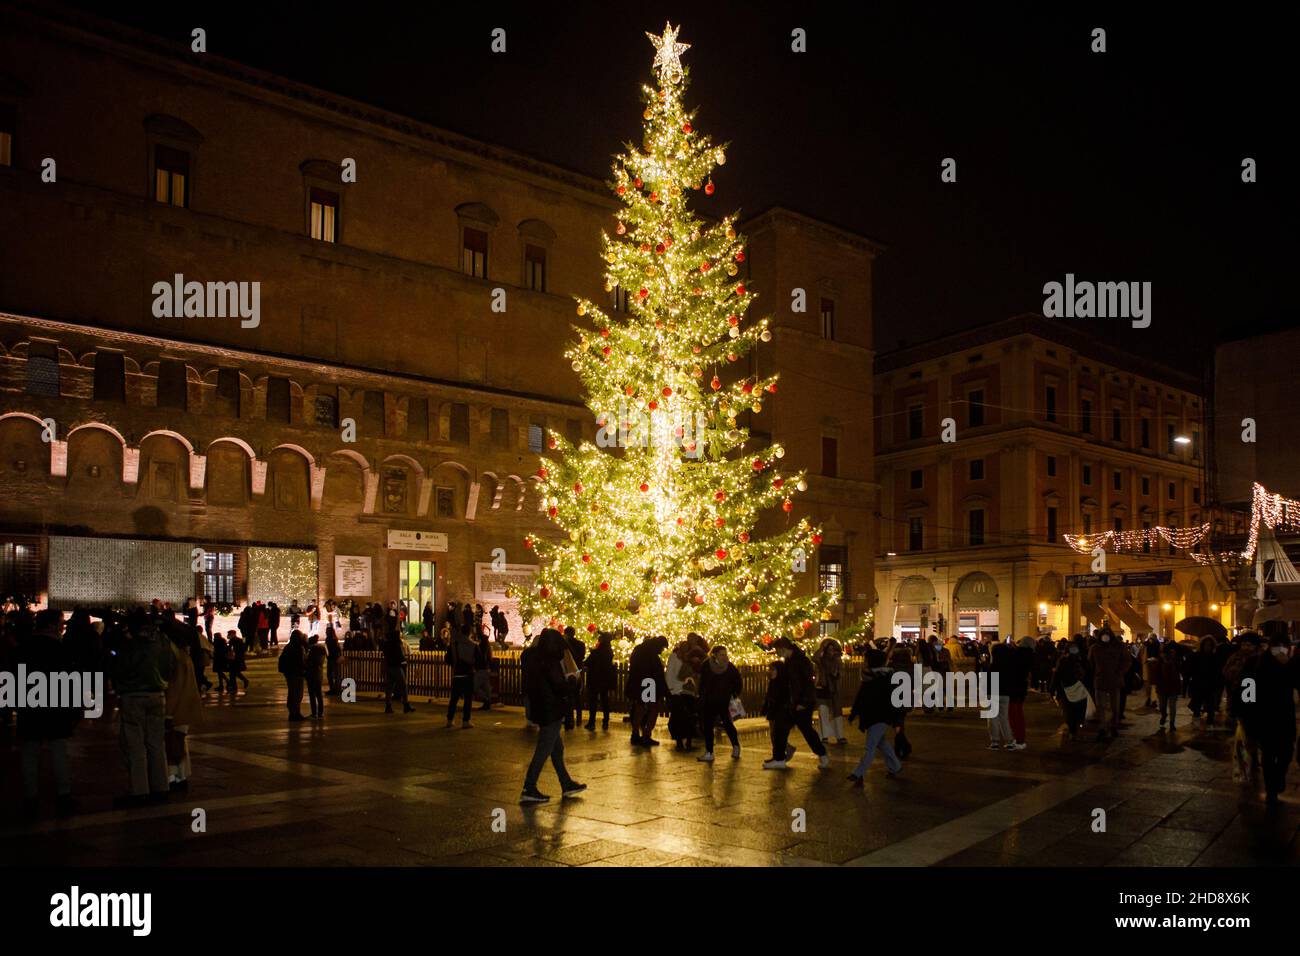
415,581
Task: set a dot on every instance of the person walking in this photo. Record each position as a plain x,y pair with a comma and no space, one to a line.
1270,719
293,665
719,683
874,710
221,662
315,674
1021,664
183,710
1001,665
1206,675
1245,749
577,654
828,661
797,708
646,688
548,692
1110,662
601,677
1068,685
462,656
1168,679
141,670
395,670
333,655
483,671
1151,659
44,652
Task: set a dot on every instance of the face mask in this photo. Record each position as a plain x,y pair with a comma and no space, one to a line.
1105,638
1281,652
1074,651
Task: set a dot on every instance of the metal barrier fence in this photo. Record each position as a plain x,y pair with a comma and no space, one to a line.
429,675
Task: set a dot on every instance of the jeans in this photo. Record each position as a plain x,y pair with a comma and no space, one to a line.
709,715
550,743
1107,698
141,726
785,723
315,696
1000,726
31,762
1169,708
832,723
295,694
877,737
462,688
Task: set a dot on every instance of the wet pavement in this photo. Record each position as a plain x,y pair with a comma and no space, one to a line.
365,788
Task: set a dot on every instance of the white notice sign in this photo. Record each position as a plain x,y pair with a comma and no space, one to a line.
352,576
417,540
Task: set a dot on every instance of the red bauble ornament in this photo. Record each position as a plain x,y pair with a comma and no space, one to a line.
744,537
681,521
732,356
604,585
708,188
528,543
787,505
552,511
620,229
654,197
541,472
721,554
643,292
645,247
716,383
721,495
660,248
638,182
667,392
754,607
546,592
704,266
551,442
605,350
586,559
767,639
699,599
721,522
758,464
740,289
772,388
686,128
591,628
733,320
629,390
740,257
620,190
778,482
644,487
747,388
577,487
618,545
816,539
604,333
652,405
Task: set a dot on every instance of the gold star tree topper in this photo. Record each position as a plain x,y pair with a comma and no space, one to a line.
668,54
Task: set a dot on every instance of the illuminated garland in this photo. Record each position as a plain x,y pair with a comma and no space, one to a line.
1121,541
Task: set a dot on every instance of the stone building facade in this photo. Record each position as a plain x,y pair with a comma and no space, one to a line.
1050,431
378,408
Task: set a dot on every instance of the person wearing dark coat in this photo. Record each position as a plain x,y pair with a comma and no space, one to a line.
796,710
1069,681
394,649
315,674
548,698
1019,673
462,655
1270,719
247,626
483,670
1206,673
426,618
719,682
646,689
45,651
601,677
273,623
874,710
293,665
221,661
333,654
578,651
237,662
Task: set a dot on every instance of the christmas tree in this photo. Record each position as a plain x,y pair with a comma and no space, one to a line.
660,514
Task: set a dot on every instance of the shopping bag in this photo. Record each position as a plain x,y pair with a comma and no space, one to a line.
1091,713
736,709
1076,692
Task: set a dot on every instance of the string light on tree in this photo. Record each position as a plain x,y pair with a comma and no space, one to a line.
658,517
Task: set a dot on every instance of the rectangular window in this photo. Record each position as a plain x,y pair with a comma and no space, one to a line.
459,424
1051,403
1119,524
916,479
171,172
1171,446
1196,496
1146,485
1051,526
1085,416
976,471
832,570
830,456
1196,444
500,428
1051,466
1117,480
446,502
828,319
327,411
324,215
277,399
219,576
1116,425
915,421
229,392
1146,432
1173,490
43,374
535,439
7,130
1087,474
417,419
1087,523
474,250
975,526
110,377
374,422
534,268
171,385
915,533
975,408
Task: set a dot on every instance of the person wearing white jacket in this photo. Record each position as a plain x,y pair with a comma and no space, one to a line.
830,710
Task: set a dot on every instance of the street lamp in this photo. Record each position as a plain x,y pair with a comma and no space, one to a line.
1182,440
1167,607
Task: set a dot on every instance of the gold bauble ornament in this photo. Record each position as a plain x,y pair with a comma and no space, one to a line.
609,285
765,335
731,420
731,233
731,269
756,407
648,113
826,615
803,485
582,309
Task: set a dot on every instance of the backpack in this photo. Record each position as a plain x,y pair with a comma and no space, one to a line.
466,651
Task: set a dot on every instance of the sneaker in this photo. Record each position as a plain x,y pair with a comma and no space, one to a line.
994,745
533,796
893,773
1017,746
789,751
705,758
573,789
735,752
649,742
774,765
824,761
854,779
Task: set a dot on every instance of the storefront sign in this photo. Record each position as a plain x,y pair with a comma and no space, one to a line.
1134,579
352,576
417,541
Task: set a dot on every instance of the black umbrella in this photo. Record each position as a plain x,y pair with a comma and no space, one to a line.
1202,627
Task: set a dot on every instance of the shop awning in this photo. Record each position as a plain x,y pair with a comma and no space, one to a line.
1282,611
1093,612
1131,619
916,589
977,592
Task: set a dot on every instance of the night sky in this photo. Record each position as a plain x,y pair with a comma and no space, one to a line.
1117,166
